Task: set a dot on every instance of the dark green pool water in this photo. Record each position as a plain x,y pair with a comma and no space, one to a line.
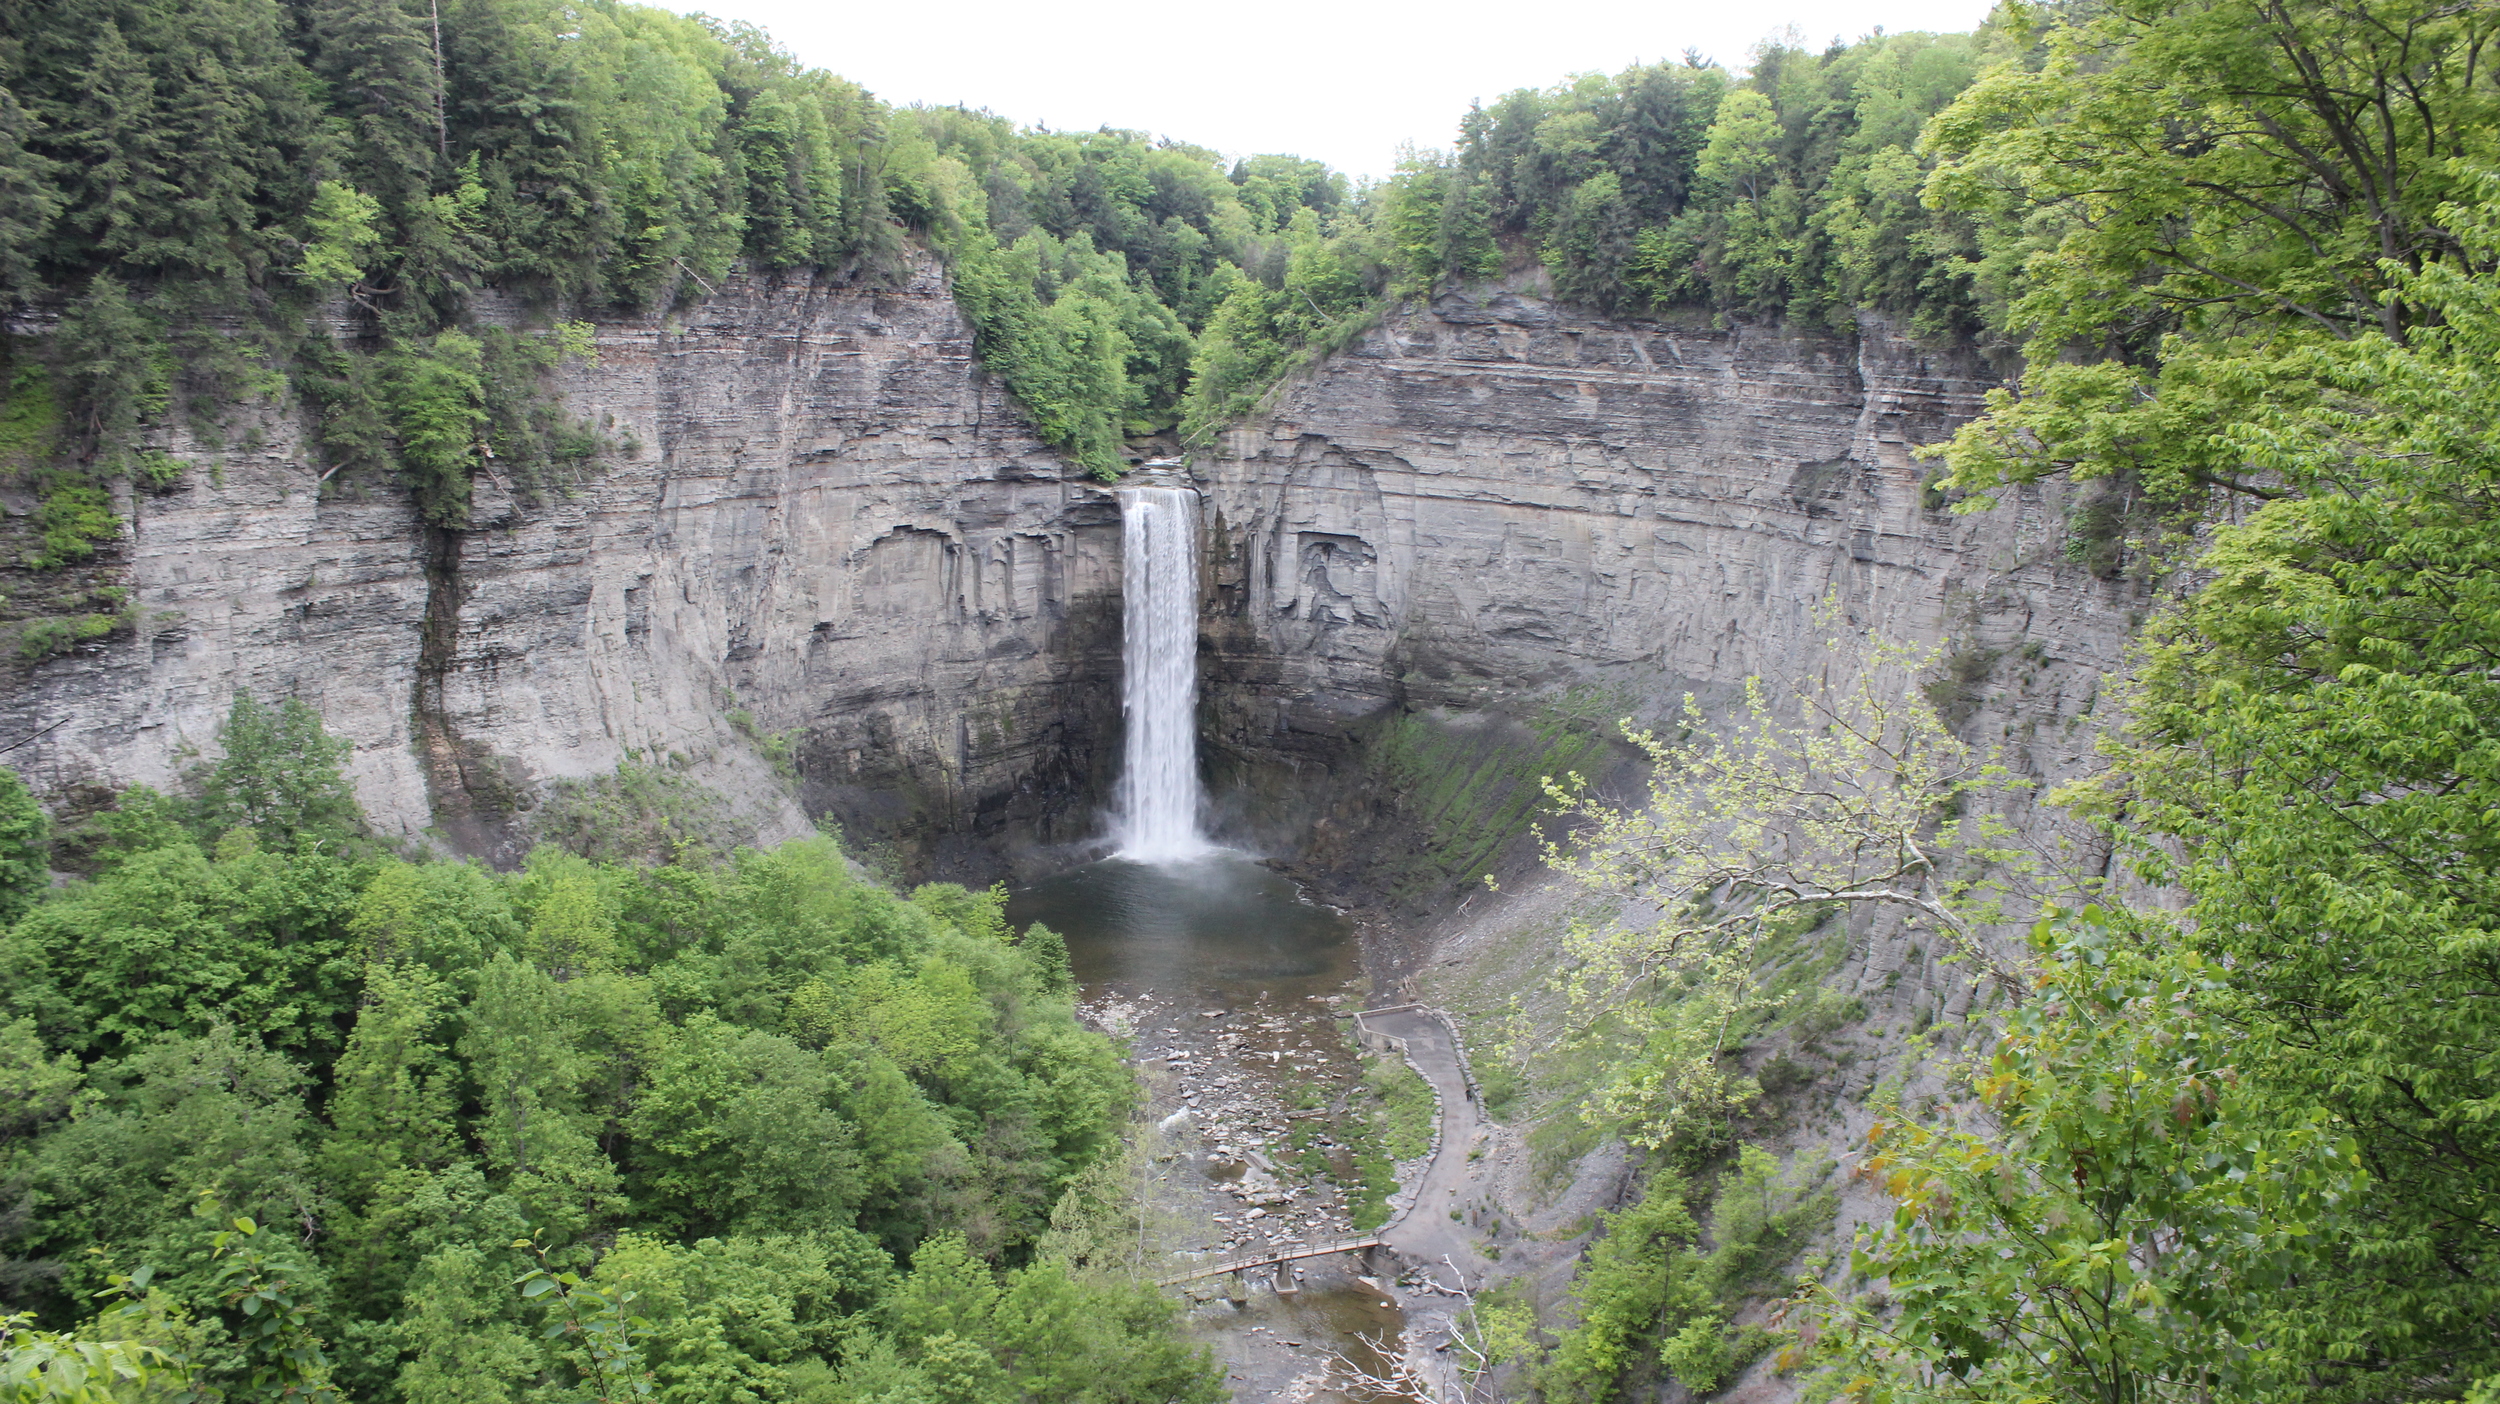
1218,930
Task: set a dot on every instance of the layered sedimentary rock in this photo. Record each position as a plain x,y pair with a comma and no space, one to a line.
1491,499
820,532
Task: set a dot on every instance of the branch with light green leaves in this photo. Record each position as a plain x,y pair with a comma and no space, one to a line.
600,1324
1832,794
1841,800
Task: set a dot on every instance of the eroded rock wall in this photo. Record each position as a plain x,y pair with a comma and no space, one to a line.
1492,499
819,516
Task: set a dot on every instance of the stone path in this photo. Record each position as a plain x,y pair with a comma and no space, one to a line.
1426,1233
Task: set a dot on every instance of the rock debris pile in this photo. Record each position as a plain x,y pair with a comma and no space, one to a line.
1253,1099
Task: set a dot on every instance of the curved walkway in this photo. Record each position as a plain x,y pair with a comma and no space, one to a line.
1425,1232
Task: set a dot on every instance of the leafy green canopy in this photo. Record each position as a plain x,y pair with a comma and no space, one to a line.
1792,191
203,186
2180,196
814,1132
2247,1150
1100,269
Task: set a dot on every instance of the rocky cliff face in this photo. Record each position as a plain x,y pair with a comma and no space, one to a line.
1491,500
823,530
822,533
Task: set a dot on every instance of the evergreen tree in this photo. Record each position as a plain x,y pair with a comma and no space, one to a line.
385,78
29,200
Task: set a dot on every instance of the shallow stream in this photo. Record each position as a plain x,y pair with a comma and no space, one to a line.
1230,985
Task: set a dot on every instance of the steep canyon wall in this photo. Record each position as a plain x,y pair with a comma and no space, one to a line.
1451,558
1491,501
820,527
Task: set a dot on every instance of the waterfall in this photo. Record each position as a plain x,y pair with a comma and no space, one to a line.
1158,819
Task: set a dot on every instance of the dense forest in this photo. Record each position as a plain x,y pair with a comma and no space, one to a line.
326,1121
292,1118
215,203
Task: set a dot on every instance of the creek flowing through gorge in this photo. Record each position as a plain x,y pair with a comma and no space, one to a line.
1235,992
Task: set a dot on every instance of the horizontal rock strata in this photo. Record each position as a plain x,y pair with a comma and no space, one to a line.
816,514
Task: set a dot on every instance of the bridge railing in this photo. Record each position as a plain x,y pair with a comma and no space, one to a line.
1273,1257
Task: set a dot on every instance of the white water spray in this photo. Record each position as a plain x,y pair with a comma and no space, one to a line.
1158,819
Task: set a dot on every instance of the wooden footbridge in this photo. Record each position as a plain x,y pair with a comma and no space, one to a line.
1274,1256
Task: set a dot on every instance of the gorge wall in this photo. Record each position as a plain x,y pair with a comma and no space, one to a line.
820,527
824,533
1492,500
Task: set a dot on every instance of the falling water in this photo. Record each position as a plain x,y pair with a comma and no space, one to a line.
1158,819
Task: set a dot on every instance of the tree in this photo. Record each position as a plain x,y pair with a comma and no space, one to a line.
391,1103
29,199
385,77
2316,739
2196,191
737,1129
25,850
459,1324
529,1068
280,778
2117,1218
113,371
1742,157
1824,796
436,399
2246,1151
170,940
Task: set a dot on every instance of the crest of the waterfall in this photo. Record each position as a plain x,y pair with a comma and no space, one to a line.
1158,819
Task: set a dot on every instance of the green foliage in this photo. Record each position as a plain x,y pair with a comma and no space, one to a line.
1322,297
266,1283
2283,168
73,519
714,1101
110,358
2243,1149
1408,1110
436,404
598,1327
2136,1225
25,849
529,442
344,239
1652,1302
636,813
1048,950
49,1367
30,417
1794,191
724,1096
1475,789
279,777
173,939
1093,266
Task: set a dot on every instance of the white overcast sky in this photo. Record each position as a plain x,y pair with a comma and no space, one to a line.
1344,81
